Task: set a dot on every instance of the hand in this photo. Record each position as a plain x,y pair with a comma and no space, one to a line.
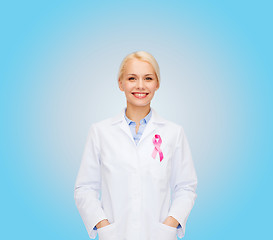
171,221
102,223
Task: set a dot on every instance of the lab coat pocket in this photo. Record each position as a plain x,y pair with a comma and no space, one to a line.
165,232
108,232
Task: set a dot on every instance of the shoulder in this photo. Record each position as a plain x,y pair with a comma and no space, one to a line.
175,129
171,125
107,123
174,125
99,129
102,124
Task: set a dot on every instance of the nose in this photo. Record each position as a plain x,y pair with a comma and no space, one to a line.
140,83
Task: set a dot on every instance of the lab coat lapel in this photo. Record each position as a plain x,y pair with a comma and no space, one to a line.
121,121
152,125
125,127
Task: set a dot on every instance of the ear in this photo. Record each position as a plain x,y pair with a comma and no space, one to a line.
120,84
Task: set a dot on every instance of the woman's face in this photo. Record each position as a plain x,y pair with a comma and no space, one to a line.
138,82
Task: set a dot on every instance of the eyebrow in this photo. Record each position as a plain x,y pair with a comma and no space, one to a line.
144,75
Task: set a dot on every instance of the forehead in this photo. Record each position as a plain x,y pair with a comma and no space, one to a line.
138,66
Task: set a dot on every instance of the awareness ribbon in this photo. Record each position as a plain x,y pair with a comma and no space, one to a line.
157,146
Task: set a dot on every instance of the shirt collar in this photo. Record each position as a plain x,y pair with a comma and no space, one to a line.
144,120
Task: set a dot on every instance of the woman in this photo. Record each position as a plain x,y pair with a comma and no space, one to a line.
140,162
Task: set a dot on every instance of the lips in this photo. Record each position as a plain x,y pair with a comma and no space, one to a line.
140,95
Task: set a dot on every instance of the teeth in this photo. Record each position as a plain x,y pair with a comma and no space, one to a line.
140,94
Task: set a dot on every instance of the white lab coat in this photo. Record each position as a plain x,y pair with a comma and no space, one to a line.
138,192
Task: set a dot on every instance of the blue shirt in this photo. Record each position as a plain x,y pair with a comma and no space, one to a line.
132,125
137,136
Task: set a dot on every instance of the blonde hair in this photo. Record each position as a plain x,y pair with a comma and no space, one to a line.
142,56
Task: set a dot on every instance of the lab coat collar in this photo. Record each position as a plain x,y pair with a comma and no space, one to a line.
153,123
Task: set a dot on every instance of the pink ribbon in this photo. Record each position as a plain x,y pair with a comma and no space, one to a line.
157,147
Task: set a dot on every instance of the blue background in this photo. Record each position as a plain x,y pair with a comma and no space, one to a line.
59,65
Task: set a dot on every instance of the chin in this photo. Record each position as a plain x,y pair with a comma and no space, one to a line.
139,104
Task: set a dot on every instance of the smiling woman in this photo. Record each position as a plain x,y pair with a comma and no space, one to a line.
140,162
138,80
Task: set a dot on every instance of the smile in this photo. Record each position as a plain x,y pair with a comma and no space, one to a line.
140,95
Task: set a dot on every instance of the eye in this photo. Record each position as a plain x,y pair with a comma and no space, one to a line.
131,78
149,78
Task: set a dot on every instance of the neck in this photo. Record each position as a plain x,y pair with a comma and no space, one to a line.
136,113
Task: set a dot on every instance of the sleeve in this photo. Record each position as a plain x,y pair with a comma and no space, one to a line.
88,184
183,183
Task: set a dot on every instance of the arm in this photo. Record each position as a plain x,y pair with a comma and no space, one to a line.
183,183
87,187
